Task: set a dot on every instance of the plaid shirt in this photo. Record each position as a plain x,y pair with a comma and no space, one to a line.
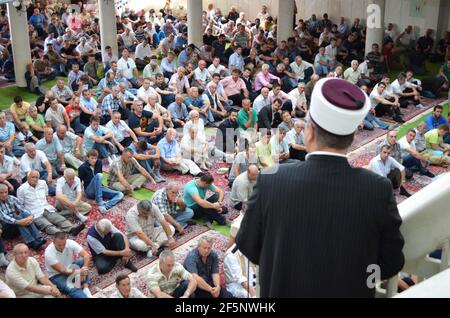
110,103
11,209
160,200
125,169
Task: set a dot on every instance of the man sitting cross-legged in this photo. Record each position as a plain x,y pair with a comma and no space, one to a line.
69,195
26,278
91,175
122,177
141,230
169,279
33,195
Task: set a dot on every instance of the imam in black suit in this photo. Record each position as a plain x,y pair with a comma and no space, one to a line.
315,227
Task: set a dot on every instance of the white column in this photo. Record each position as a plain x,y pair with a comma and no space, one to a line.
18,25
375,23
286,11
194,17
108,29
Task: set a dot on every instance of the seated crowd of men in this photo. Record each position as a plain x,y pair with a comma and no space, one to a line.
240,82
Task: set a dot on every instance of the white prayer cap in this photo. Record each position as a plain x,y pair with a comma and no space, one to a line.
338,106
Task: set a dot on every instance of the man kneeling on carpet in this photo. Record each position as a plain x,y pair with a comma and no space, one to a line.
169,279
142,233
108,245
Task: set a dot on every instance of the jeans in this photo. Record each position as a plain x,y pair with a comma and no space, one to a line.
17,151
322,70
183,216
413,164
371,122
77,126
224,293
181,289
166,100
28,233
209,214
210,118
103,150
96,190
447,139
62,282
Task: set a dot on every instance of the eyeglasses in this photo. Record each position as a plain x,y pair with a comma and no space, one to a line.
128,65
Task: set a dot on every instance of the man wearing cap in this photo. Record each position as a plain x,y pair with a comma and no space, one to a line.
348,220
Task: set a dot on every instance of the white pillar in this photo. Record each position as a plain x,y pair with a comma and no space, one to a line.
18,24
375,23
108,29
194,17
285,25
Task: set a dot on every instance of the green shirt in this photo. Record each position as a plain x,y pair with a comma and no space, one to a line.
243,119
264,154
446,70
39,121
191,189
432,138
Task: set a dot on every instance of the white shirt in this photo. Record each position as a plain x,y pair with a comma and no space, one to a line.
134,293
143,94
68,143
71,192
397,88
404,144
299,70
216,70
242,189
143,51
83,49
373,96
27,164
66,258
299,99
128,39
202,76
234,275
126,67
384,168
120,131
363,69
35,199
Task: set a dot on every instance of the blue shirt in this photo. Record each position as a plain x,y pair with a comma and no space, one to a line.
7,131
433,123
168,150
166,66
37,21
178,113
236,62
197,103
180,41
89,143
183,58
191,189
194,264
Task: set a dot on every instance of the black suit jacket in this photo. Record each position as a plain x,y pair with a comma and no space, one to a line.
267,120
314,227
